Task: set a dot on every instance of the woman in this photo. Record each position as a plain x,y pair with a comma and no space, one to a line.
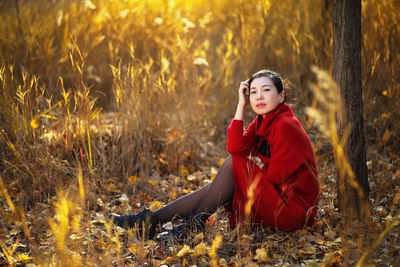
282,194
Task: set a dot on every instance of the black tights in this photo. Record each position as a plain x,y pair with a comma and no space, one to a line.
205,200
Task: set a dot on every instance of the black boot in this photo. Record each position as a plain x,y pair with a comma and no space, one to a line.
145,219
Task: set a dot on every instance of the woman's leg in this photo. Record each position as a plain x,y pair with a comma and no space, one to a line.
204,200
220,191
182,206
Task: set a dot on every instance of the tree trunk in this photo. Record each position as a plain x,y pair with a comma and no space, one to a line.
346,25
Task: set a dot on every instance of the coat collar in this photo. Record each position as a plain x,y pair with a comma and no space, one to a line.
264,123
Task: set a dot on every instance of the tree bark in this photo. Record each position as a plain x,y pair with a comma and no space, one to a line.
346,26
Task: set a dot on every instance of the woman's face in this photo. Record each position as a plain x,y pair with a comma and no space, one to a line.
264,96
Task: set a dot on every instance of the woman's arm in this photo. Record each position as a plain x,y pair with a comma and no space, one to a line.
239,143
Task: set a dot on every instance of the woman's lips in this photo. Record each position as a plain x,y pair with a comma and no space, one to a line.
260,105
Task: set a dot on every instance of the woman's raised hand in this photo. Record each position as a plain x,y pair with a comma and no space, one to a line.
244,92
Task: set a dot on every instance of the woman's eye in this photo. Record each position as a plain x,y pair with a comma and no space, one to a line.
266,89
252,92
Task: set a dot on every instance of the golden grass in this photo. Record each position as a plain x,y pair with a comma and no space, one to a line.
95,92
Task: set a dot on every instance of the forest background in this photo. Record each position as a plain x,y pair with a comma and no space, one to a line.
112,106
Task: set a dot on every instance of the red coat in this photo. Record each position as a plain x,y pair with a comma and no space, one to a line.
283,193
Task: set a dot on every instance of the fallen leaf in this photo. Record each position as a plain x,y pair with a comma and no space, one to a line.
200,249
221,161
167,260
307,252
386,136
338,240
24,258
34,123
213,172
138,249
210,221
222,262
191,178
132,179
185,250
215,245
155,205
331,259
319,240
262,255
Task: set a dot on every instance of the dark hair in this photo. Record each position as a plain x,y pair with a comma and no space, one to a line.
275,78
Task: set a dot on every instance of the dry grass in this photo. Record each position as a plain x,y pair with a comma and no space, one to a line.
100,98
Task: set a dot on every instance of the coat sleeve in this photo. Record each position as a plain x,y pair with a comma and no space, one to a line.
239,143
289,151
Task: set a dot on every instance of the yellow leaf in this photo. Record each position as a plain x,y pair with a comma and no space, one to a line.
200,249
185,250
150,243
338,240
155,205
23,257
386,136
152,182
385,115
187,191
331,258
385,93
221,161
34,123
167,260
174,194
213,172
222,262
215,245
319,240
138,249
307,252
262,255
132,179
